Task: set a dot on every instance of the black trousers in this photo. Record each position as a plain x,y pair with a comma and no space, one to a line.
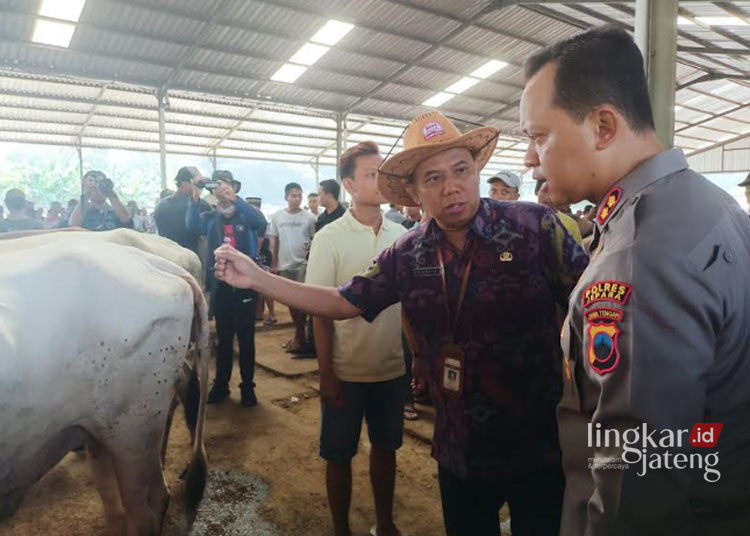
234,310
535,502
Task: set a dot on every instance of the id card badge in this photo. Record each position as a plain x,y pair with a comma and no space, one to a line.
452,368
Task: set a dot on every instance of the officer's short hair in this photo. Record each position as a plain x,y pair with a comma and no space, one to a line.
330,186
600,66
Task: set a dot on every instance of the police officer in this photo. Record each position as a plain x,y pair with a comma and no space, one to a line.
656,341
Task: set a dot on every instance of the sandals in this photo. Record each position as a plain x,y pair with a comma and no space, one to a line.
270,321
410,414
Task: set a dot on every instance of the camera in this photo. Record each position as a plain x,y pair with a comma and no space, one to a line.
105,186
207,184
102,183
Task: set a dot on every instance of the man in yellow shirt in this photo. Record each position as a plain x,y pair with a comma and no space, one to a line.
361,364
543,198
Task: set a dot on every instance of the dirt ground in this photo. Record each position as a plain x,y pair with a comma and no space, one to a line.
263,461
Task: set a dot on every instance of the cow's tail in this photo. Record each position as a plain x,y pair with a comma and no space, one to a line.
195,408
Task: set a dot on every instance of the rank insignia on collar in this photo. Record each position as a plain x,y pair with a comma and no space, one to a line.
610,203
603,351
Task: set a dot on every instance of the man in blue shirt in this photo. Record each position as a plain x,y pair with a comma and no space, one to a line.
96,214
236,223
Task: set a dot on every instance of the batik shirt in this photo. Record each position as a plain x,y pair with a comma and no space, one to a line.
525,264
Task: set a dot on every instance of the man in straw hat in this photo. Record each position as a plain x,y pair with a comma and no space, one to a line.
478,284
656,346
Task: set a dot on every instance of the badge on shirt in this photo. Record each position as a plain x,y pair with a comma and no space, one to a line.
426,271
452,357
603,350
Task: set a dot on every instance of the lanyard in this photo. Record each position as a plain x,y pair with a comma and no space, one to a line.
451,324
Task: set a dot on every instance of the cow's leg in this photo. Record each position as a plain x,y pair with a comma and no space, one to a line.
142,488
167,429
105,479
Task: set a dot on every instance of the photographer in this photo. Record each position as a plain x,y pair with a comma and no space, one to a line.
236,223
171,212
96,214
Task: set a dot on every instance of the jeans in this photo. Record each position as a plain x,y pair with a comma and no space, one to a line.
234,310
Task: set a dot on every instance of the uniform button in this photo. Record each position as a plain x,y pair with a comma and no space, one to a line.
728,257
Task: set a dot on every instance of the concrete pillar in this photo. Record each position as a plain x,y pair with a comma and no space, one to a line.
162,139
656,36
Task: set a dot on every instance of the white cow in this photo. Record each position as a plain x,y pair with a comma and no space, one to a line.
92,350
158,245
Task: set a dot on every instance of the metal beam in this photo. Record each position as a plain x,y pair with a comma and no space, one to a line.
714,116
202,33
112,30
322,15
741,52
340,142
432,48
92,111
161,96
720,144
507,3
233,128
472,21
628,10
220,72
718,29
243,26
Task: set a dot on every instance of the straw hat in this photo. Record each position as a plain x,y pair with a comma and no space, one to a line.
426,136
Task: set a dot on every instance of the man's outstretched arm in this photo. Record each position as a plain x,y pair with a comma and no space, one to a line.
239,270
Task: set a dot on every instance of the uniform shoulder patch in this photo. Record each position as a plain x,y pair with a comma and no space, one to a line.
612,291
603,350
604,314
610,203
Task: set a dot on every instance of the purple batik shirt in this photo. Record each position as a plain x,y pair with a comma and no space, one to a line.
526,264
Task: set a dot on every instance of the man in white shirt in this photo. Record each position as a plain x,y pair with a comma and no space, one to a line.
361,364
291,230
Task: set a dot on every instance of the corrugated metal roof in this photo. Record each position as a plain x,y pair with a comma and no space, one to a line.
219,62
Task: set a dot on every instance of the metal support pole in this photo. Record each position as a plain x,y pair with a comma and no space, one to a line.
162,139
79,150
213,158
339,143
317,172
656,36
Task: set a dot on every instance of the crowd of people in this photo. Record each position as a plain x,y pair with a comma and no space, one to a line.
467,297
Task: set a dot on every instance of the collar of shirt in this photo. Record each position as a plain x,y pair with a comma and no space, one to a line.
655,168
479,226
359,227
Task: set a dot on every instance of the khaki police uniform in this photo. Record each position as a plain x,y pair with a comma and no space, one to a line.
658,332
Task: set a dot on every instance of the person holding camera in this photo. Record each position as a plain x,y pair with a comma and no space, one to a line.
95,214
238,224
171,212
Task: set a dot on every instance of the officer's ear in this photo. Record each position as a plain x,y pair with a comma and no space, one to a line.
606,122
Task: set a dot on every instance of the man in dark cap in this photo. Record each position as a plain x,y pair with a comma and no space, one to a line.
171,211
